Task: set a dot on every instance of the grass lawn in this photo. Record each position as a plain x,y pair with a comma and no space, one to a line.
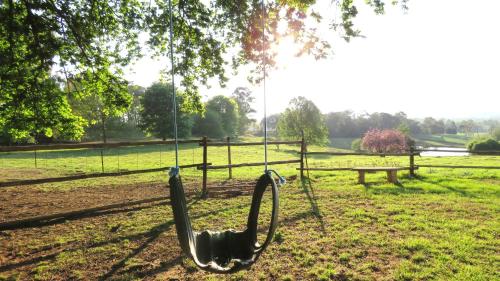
442,225
421,140
458,140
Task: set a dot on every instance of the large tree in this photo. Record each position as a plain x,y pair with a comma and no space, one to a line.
208,125
244,99
91,41
97,101
303,115
432,126
133,114
227,108
157,112
342,124
104,120
271,122
42,114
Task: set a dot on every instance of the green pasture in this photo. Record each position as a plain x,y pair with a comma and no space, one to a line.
69,162
442,225
458,140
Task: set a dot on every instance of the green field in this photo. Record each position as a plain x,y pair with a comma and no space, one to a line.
442,140
421,140
442,225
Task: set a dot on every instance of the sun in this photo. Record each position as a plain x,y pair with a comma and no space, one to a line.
285,51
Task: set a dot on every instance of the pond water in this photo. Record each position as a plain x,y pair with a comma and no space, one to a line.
460,152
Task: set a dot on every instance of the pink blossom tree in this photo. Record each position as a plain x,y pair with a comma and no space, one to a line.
385,141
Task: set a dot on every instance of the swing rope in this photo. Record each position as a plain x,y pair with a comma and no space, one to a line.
174,171
264,74
222,251
263,54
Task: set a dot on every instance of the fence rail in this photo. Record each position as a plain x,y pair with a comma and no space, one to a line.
251,164
357,153
205,166
460,167
324,169
88,145
93,175
253,143
411,154
480,152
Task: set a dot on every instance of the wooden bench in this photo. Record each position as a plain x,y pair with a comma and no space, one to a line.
392,172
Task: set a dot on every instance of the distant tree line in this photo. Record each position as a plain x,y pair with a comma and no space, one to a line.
148,112
143,112
222,116
302,116
347,124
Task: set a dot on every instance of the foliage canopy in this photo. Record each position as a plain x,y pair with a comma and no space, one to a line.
221,118
87,43
157,113
244,99
302,115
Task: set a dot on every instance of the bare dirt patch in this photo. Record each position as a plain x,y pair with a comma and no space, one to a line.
17,203
151,252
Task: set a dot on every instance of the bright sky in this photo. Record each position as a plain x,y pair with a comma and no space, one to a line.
440,59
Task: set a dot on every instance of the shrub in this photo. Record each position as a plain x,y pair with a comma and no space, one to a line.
496,133
356,145
482,144
385,141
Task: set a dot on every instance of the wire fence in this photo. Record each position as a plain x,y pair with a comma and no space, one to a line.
66,162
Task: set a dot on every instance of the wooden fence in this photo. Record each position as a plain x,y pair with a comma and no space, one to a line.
205,143
411,153
205,165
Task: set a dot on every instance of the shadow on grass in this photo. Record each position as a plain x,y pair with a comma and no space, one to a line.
191,201
164,266
447,188
394,189
319,156
414,186
65,219
167,265
153,233
309,191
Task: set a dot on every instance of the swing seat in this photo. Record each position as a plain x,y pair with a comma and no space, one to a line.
225,251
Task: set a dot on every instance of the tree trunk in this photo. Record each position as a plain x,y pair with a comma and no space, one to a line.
103,127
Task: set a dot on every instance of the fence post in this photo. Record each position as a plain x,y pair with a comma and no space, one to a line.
412,161
102,159
160,156
302,151
118,151
228,139
36,164
205,156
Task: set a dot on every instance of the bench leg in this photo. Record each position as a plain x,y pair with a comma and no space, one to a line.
361,177
392,176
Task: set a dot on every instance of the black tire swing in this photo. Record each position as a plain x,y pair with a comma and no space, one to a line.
222,251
